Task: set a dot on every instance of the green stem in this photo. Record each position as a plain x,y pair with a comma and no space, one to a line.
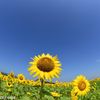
41,90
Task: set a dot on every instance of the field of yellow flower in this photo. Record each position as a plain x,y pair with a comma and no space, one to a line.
46,67
19,88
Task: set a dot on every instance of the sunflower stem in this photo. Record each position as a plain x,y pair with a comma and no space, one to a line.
41,90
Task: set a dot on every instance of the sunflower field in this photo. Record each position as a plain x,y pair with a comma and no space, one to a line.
46,67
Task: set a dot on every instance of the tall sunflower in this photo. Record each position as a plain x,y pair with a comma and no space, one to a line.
81,85
45,66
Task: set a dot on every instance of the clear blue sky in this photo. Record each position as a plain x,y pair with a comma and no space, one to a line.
67,28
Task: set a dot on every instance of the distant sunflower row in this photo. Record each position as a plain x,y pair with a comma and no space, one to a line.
81,85
20,79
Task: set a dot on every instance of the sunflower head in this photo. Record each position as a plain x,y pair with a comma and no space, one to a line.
5,78
55,94
29,93
28,82
82,85
9,84
21,77
74,94
11,74
45,66
1,75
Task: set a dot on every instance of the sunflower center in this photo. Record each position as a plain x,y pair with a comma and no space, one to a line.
45,64
8,83
21,78
82,85
12,75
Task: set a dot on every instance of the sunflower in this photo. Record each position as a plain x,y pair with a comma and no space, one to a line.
28,82
45,66
5,78
29,93
9,84
81,85
74,94
11,75
15,80
1,75
21,78
55,94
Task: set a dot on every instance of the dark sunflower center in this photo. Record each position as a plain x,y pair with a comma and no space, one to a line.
82,85
12,75
9,84
27,81
21,78
45,64
5,78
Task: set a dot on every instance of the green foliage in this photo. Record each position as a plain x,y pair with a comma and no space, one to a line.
28,92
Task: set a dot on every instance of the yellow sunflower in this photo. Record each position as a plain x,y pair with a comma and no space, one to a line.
45,66
9,84
5,78
55,94
1,75
21,78
81,85
74,95
29,93
11,75
28,82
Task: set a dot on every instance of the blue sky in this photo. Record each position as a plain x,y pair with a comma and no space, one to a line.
67,28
